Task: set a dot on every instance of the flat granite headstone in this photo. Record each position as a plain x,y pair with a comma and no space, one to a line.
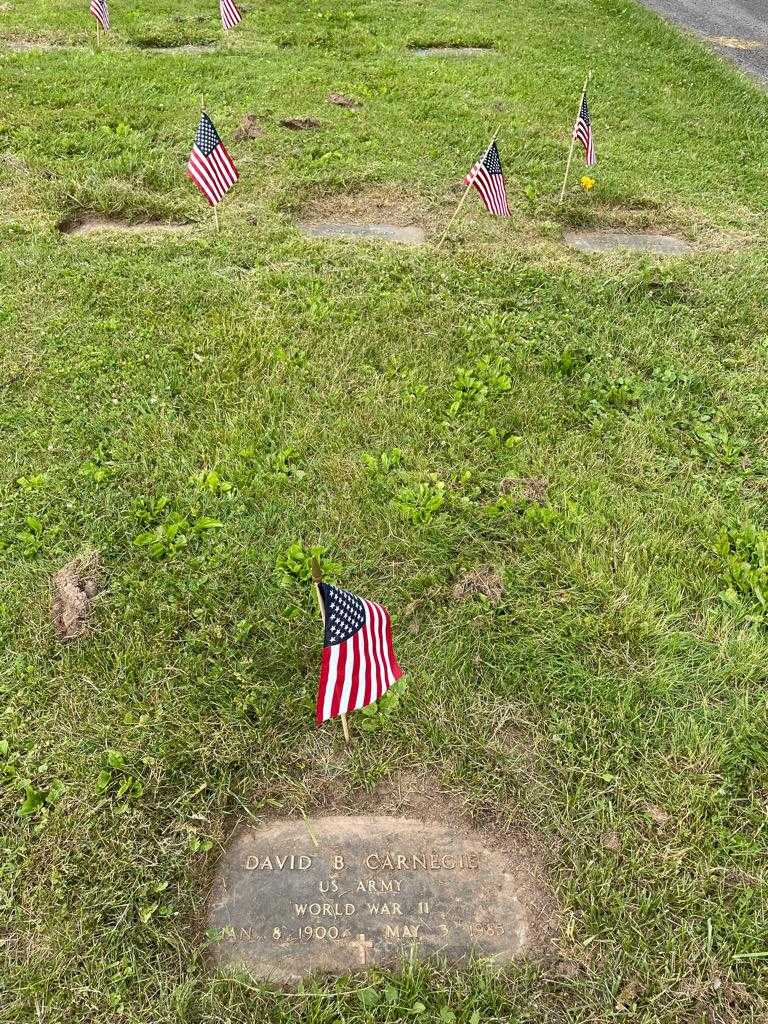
343,894
610,241
377,232
450,51
189,48
96,225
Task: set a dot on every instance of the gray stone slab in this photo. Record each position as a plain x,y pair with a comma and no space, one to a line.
104,225
34,46
451,51
376,232
610,241
344,894
188,48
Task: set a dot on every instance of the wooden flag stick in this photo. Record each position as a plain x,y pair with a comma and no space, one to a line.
464,196
98,35
317,576
573,139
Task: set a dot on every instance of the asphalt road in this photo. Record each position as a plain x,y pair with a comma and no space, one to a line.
737,29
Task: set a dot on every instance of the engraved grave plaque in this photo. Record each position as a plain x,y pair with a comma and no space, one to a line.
344,893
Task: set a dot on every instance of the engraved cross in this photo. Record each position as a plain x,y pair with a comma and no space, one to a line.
361,945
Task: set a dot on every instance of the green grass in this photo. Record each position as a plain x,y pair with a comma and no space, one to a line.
635,388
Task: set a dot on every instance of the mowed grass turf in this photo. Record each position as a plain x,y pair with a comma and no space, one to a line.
232,401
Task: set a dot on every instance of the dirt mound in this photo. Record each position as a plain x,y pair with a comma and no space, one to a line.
340,100
527,487
75,588
300,124
485,581
249,128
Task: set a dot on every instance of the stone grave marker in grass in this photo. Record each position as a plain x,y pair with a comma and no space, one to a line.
602,241
342,894
86,223
409,235
450,50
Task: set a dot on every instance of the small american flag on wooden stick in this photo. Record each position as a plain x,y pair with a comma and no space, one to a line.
100,11
488,178
210,166
582,132
359,663
230,15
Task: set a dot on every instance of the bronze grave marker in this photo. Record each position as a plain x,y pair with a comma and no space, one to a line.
345,893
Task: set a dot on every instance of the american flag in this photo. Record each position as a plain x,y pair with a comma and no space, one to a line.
359,663
100,11
210,165
582,132
488,178
230,15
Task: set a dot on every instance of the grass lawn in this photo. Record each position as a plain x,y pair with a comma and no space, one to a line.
611,708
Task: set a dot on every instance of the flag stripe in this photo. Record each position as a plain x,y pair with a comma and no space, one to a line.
385,648
368,654
350,663
230,15
333,667
396,670
100,11
359,683
370,627
322,692
381,675
339,680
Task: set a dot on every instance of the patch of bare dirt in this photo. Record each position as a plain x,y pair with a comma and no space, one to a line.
657,815
249,128
630,992
610,841
723,1000
340,100
734,43
95,223
376,206
485,581
300,124
528,487
736,878
75,588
